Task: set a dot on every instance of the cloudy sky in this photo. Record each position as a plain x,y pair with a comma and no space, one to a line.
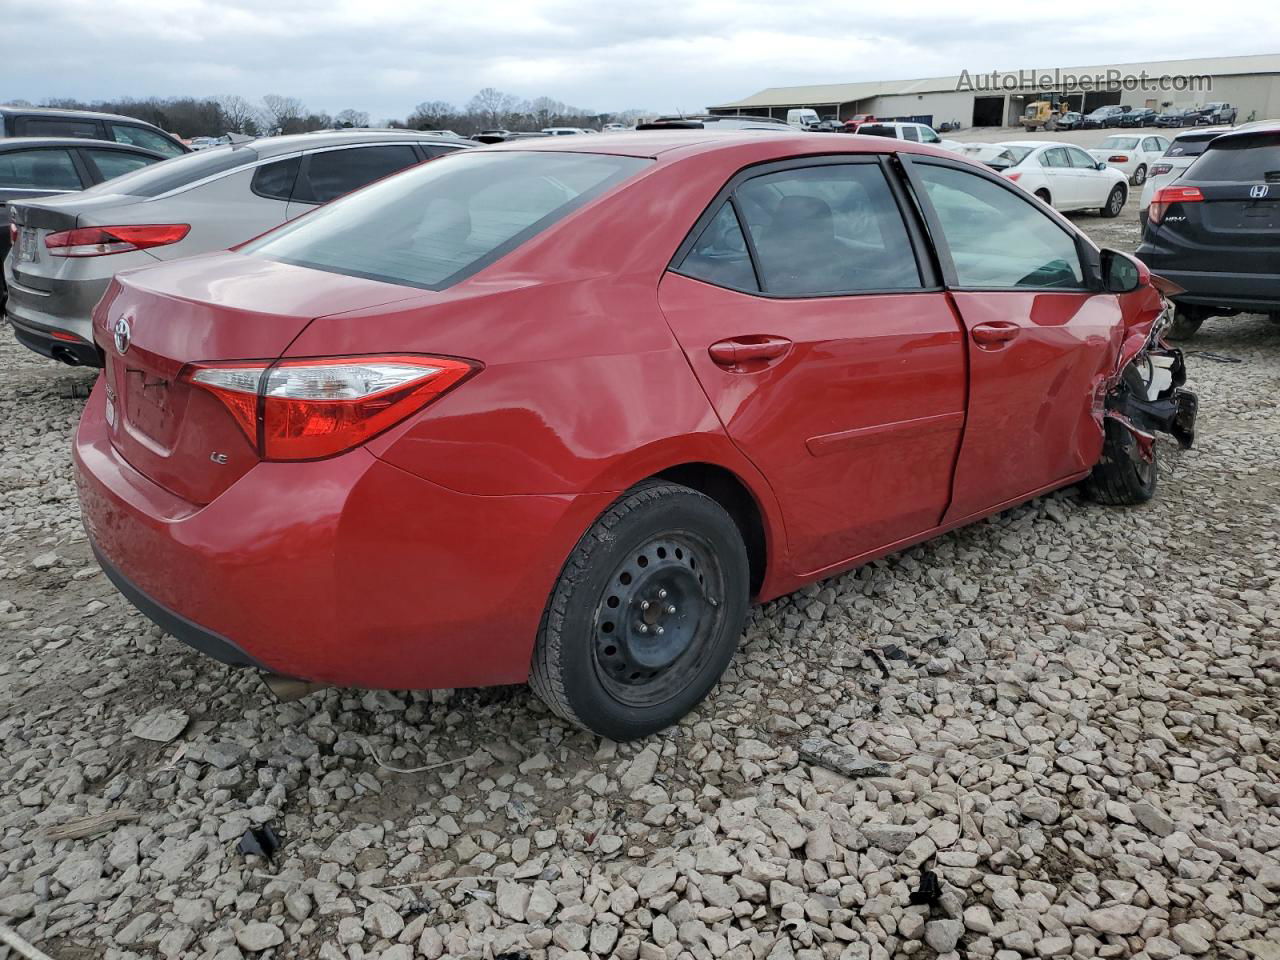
384,56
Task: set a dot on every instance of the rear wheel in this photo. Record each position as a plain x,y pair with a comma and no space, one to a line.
1121,477
1185,324
646,614
1115,201
1140,175
1044,195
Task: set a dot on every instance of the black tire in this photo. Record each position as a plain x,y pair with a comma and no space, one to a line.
1044,195
1185,324
612,674
1274,317
1139,175
1115,201
1121,477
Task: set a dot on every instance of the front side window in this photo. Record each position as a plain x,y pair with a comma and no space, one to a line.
442,221
996,238
720,255
927,135
1081,160
147,139
45,169
332,173
115,163
828,230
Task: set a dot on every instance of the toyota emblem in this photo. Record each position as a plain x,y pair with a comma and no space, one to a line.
120,332
1258,191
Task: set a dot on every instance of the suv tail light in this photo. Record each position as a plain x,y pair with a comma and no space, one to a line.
101,241
1160,169
1166,197
310,409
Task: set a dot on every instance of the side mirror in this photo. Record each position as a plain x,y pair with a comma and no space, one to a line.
1122,273
1100,165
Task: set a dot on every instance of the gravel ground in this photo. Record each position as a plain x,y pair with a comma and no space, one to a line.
1064,727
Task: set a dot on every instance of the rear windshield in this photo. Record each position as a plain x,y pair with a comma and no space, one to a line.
1254,158
877,130
1189,146
1011,156
1119,143
178,172
437,223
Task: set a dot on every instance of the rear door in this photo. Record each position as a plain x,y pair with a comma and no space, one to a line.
1037,336
1236,227
328,174
827,349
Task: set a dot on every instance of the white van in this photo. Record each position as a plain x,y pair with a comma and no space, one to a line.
805,118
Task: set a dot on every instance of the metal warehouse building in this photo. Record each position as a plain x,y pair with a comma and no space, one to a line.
998,98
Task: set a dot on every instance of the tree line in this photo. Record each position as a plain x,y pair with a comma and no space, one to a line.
275,114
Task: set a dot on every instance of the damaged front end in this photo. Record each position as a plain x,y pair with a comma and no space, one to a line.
1147,395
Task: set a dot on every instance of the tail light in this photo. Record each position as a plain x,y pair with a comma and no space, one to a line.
1166,197
1117,158
1012,176
13,234
101,241
1160,169
310,409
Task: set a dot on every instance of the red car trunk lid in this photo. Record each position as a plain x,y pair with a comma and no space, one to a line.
154,322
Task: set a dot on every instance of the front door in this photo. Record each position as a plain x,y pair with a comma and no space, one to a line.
827,351
1038,339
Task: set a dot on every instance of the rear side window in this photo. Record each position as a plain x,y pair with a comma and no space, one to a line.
910,133
441,222
147,139
827,230
46,169
1254,158
115,163
996,238
179,172
58,127
275,180
720,254
1055,157
332,173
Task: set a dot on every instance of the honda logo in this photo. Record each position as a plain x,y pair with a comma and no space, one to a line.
1258,191
121,334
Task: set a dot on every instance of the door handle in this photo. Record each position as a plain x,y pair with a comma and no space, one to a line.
738,351
998,331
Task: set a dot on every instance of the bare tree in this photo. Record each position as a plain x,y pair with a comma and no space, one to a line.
239,115
492,106
351,118
285,114
431,115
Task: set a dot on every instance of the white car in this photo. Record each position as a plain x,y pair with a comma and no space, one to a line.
1131,153
1065,177
1179,155
564,131
994,155
915,132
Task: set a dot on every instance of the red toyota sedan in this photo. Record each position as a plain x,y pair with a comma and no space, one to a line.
558,410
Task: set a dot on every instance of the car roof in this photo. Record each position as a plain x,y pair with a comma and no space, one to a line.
274,146
1201,131
1036,143
1257,126
679,144
19,143
59,112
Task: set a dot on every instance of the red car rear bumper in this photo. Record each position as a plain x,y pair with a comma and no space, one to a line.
347,571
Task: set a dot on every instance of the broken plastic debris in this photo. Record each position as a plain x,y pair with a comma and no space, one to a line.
929,891
842,760
259,841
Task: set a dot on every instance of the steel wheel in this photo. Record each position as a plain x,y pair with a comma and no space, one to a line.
652,626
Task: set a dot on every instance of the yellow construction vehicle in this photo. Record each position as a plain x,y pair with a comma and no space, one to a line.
1040,113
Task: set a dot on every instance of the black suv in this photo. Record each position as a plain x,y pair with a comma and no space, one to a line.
47,122
1215,231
